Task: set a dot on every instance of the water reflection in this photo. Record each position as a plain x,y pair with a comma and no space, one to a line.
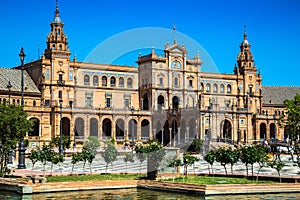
139,194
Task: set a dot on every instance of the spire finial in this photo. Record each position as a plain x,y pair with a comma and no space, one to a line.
245,33
56,10
174,30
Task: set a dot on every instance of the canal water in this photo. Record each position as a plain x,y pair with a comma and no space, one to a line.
138,194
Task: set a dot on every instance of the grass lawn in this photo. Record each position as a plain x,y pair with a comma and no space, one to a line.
93,177
215,180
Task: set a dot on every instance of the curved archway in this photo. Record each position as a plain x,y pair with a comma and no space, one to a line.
158,134
272,131
132,127
160,102
175,102
36,127
182,131
145,135
145,105
262,131
79,128
120,127
66,126
106,128
227,129
166,133
94,127
192,130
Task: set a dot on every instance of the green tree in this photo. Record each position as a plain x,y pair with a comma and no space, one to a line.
175,163
35,156
90,150
56,159
223,156
155,154
278,165
210,159
13,125
46,155
128,157
110,153
292,117
188,160
76,157
141,156
261,158
247,156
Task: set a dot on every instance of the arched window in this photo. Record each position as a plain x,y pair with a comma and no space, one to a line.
104,81
228,88
94,127
95,80
79,128
112,81
222,89
86,79
121,82
207,87
129,82
215,88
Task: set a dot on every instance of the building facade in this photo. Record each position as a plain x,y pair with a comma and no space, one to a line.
166,97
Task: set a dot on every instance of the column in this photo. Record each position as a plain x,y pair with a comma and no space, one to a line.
170,136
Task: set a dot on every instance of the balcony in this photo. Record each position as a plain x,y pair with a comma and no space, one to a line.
61,82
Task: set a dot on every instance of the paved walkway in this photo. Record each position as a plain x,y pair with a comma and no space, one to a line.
119,166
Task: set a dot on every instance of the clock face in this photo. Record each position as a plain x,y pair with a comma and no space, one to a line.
176,64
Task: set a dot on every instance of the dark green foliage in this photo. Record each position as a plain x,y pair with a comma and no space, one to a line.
76,157
248,156
227,155
35,156
155,153
13,124
89,150
110,154
261,158
188,160
195,146
278,165
128,157
210,159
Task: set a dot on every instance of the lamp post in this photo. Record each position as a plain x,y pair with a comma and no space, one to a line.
239,130
209,127
22,149
275,135
132,127
61,149
174,128
9,86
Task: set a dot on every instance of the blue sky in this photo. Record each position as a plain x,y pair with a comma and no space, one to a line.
273,27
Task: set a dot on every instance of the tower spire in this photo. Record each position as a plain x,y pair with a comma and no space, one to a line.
245,33
56,10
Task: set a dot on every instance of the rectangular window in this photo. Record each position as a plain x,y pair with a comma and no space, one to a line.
47,75
71,75
89,99
191,83
47,102
161,82
107,103
60,95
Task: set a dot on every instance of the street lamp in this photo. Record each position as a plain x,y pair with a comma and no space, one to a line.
132,125
9,86
22,149
61,149
174,129
209,127
275,135
239,130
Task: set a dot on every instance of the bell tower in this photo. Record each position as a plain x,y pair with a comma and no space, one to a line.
57,41
248,80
